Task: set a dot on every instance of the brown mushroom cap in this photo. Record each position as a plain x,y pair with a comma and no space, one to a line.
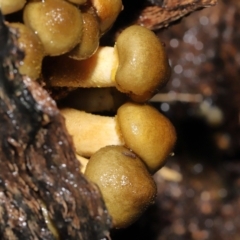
57,23
107,11
11,6
143,64
147,133
33,48
90,38
126,185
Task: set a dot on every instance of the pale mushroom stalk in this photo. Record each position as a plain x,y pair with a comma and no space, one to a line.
83,162
91,132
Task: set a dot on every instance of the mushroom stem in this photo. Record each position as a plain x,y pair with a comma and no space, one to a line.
83,161
95,71
91,132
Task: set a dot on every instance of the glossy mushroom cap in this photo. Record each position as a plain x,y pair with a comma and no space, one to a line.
90,38
143,64
11,6
33,49
57,23
107,11
126,185
147,133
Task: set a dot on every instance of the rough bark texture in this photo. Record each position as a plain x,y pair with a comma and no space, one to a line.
167,11
37,162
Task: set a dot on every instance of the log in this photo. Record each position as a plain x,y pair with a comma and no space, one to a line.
37,162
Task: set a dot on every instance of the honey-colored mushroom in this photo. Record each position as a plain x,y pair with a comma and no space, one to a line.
147,132
107,11
141,128
137,66
33,49
127,187
143,68
90,38
11,6
57,23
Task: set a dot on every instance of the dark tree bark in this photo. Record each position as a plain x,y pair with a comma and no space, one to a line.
38,163
165,12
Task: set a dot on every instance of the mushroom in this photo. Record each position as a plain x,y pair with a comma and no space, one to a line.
90,38
140,128
128,66
107,11
57,23
11,6
126,185
33,49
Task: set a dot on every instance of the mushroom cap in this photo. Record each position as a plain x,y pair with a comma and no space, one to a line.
57,23
33,49
143,64
126,185
107,11
147,133
90,38
11,6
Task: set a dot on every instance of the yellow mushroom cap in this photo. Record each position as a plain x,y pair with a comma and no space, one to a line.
11,6
90,38
147,133
107,11
33,49
126,185
57,23
143,64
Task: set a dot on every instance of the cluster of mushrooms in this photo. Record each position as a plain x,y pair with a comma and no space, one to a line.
119,153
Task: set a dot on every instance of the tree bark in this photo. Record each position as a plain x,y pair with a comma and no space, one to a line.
167,11
37,162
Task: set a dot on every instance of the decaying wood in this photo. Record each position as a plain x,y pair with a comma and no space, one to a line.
37,162
161,15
